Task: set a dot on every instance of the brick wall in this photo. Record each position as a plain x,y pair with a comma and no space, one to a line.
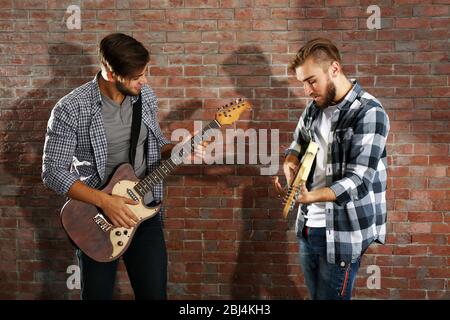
224,231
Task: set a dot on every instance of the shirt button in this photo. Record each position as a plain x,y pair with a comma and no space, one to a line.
342,264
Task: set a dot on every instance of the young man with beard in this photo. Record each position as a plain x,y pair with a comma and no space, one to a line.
343,204
88,136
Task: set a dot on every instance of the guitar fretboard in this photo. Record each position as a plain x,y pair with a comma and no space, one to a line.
169,165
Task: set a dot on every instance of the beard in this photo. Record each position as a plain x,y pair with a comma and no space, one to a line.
124,90
328,99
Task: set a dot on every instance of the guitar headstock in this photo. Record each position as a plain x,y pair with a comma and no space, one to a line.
231,112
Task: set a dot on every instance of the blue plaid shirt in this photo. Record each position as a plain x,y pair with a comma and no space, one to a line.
75,144
356,171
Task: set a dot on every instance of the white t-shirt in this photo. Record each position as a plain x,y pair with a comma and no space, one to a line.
322,136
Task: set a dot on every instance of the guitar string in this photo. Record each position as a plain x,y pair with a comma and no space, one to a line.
146,184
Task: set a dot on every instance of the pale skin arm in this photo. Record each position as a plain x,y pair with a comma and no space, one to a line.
320,195
113,206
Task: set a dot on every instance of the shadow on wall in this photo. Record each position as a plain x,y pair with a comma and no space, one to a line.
265,258
37,250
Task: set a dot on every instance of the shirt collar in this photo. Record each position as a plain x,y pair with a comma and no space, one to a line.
351,96
96,96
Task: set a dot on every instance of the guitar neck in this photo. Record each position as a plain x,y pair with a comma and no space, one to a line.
168,166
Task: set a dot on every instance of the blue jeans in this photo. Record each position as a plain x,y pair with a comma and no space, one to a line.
325,281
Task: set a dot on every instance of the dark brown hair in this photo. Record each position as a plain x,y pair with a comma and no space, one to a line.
320,49
123,55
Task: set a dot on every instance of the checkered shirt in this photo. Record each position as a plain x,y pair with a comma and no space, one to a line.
75,143
356,171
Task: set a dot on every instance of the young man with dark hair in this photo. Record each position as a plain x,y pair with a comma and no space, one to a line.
88,136
343,204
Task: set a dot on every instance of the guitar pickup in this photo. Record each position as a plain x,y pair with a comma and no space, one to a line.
132,195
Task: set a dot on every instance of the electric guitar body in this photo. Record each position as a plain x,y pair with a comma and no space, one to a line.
89,228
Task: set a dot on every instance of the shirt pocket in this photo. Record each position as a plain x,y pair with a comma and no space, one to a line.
344,139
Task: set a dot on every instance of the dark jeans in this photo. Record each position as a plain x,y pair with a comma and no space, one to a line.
325,281
145,261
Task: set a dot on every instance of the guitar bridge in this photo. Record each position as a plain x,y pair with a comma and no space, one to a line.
100,220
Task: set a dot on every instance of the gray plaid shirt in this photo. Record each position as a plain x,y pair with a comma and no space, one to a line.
356,171
75,144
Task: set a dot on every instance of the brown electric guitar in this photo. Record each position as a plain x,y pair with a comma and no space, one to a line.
300,178
90,229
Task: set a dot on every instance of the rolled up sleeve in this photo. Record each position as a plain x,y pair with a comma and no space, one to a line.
59,148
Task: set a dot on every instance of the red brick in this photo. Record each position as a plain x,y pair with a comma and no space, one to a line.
405,272
234,25
270,25
412,228
434,10
200,71
430,56
411,294
216,14
429,284
425,217
441,228
304,24
412,23
428,239
400,57
217,36
439,22
166,3
201,3
184,37
181,14
396,81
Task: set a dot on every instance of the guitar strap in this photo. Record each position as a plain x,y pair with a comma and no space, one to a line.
135,128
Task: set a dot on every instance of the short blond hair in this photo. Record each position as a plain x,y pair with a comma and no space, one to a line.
320,49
